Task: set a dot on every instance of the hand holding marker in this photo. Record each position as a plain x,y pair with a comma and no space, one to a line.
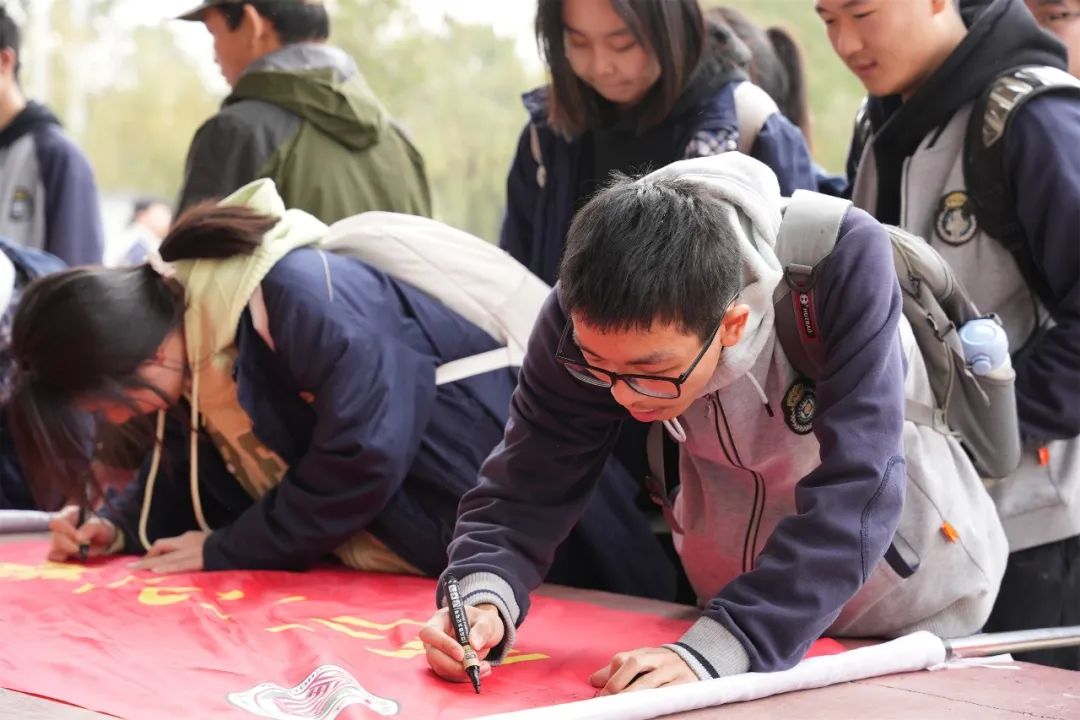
460,621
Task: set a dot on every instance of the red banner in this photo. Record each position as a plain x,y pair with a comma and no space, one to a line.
329,644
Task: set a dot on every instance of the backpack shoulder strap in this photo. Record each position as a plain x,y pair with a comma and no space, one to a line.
808,233
473,278
860,136
534,148
753,106
985,176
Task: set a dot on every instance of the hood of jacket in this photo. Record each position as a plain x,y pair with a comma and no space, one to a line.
218,290
33,117
750,195
1002,34
322,85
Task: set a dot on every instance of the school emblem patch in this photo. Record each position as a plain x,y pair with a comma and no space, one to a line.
327,691
800,403
22,205
955,223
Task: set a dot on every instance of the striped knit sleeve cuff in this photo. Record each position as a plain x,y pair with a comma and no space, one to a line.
711,651
482,588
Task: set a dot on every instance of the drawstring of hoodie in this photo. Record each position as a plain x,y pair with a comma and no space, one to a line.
196,500
675,429
155,463
148,492
761,393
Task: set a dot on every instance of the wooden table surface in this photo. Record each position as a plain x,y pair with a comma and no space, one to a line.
1031,692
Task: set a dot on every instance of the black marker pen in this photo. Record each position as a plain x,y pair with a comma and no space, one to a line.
84,548
460,621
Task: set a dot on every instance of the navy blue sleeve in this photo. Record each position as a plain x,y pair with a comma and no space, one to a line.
224,156
535,485
781,146
516,234
835,184
1044,167
848,508
373,397
73,229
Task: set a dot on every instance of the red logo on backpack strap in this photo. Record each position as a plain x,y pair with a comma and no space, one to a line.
804,314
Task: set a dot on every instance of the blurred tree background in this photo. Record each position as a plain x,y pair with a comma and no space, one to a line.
132,92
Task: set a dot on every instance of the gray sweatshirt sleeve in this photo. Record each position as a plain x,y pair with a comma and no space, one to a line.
534,486
848,508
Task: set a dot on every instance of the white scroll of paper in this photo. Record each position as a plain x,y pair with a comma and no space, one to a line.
23,521
916,651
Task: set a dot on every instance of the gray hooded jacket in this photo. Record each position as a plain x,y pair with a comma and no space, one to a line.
782,532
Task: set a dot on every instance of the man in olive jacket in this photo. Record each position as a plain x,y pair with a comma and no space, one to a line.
301,114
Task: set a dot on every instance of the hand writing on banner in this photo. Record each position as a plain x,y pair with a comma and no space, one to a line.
183,553
444,654
642,669
66,537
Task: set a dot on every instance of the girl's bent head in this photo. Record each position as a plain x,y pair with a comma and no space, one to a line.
108,344
631,53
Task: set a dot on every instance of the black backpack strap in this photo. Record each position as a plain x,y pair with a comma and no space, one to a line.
988,183
860,138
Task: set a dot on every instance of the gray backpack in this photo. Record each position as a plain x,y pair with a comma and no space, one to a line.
980,411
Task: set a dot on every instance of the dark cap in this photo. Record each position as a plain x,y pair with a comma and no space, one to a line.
197,12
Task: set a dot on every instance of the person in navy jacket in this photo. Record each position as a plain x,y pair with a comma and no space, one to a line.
343,432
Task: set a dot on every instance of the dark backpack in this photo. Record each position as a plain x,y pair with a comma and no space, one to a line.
988,184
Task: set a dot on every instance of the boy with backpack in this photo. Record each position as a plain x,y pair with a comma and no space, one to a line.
790,515
968,139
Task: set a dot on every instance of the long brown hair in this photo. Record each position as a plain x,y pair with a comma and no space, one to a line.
84,333
673,30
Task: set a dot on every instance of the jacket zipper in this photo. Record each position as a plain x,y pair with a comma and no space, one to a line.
754,525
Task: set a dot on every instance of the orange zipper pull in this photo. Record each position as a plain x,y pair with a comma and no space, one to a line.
950,532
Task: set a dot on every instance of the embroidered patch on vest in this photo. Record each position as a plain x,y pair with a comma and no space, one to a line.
800,403
22,205
955,223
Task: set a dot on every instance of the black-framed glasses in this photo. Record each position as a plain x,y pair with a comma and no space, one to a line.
654,386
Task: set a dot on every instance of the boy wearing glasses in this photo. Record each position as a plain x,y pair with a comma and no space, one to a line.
791,492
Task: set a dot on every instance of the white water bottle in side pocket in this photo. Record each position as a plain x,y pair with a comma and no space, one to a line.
986,348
